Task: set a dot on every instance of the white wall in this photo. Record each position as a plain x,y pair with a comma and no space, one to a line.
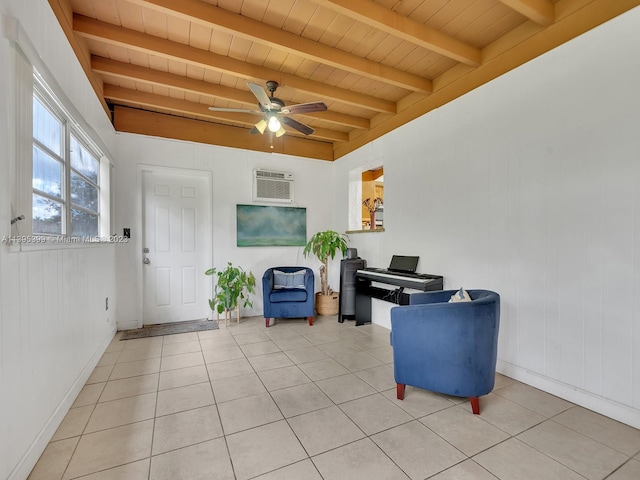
530,186
53,322
232,171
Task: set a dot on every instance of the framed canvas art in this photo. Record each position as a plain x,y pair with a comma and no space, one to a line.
269,226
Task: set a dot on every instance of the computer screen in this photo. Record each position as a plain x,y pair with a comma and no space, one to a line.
404,263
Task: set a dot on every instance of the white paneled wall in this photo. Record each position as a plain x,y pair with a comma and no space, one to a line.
530,186
54,329
53,323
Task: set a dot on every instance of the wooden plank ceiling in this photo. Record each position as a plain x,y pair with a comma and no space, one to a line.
157,65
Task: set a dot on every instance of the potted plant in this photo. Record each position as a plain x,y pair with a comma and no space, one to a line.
232,286
324,245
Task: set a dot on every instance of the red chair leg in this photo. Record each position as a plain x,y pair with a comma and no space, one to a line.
475,405
310,321
267,321
400,391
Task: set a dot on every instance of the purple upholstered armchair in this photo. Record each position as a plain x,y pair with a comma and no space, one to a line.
288,292
444,347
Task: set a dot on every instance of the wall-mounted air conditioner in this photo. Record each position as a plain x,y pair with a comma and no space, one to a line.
271,186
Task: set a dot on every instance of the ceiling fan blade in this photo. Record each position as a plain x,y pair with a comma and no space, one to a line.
260,94
305,108
239,110
301,127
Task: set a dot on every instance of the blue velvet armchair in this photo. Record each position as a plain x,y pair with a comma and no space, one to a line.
288,292
447,347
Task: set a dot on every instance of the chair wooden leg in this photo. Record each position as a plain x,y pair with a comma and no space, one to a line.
310,321
400,391
475,405
267,321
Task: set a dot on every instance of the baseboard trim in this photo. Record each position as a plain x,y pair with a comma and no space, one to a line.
130,325
31,456
607,407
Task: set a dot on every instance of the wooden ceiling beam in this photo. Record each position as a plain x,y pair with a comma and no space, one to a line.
129,71
541,12
211,16
377,16
120,94
170,104
522,44
112,34
141,122
64,14
156,77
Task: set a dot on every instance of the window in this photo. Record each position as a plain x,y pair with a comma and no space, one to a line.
373,198
366,199
66,170
61,191
84,192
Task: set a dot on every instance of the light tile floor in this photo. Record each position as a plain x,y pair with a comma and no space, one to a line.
309,403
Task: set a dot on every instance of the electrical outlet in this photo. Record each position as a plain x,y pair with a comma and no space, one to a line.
106,303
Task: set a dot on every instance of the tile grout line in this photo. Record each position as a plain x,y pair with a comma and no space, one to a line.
215,402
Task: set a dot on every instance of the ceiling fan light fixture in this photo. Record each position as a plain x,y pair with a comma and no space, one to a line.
274,124
261,126
280,132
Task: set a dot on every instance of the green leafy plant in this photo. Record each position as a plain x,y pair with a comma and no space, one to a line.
232,286
324,245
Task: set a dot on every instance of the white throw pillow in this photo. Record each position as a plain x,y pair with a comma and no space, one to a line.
460,296
288,279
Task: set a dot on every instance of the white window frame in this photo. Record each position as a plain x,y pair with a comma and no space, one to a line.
69,129
62,158
354,220
27,65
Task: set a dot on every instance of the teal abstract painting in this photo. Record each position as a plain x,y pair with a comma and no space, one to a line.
266,226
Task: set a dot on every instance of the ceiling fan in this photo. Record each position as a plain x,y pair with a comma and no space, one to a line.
275,111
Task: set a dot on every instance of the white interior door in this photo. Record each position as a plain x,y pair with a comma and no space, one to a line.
177,247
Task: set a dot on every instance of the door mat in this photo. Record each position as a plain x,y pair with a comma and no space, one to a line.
169,329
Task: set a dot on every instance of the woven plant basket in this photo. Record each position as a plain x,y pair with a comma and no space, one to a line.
327,304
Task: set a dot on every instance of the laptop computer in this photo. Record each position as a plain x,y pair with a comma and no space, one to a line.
406,264
403,264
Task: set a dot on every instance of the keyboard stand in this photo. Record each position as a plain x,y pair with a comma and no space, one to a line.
365,292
